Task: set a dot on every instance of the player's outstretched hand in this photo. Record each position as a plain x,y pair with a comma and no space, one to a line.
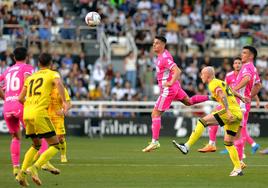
167,84
245,99
65,107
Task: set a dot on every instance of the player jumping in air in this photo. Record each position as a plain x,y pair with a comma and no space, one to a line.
170,89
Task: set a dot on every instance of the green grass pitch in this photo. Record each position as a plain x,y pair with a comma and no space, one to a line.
117,162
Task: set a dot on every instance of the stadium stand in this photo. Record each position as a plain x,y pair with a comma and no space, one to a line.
199,33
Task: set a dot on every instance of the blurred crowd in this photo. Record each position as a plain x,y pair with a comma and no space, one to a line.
202,21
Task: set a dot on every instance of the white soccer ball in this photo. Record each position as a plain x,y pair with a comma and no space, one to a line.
93,19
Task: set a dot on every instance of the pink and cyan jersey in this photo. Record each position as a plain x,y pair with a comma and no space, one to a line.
248,69
164,64
13,83
230,79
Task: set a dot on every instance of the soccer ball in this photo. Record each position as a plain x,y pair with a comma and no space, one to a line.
93,19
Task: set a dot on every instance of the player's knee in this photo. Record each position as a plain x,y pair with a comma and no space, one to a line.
56,145
228,143
203,122
61,138
37,147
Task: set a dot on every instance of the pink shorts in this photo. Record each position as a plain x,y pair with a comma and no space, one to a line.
165,99
13,119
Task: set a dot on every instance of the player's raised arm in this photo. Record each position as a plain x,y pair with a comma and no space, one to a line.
245,80
255,90
175,76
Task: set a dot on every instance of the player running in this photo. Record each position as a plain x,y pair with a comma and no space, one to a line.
36,98
230,116
230,79
14,78
170,89
248,84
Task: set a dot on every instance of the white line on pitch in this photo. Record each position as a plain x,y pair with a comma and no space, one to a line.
151,165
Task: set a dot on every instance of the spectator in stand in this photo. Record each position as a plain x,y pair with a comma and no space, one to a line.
57,8
183,20
130,68
215,29
12,20
148,83
200,40
98,73
235,28
261,64
196,18
67,60
67,31
172,25
264,90
106,87
95,93
45,31
109,74
187,9
117,79
118,90
128,91
81,92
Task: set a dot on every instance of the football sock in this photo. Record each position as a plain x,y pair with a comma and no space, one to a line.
44,146
239,144
213,132
47,155
28,157
244,133
156,125
62,146
234,156
15,151
195,134
198,99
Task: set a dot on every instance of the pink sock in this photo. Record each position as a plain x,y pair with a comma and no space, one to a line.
198,99
244,133
15,151
156,125
213,132
44,146
239,144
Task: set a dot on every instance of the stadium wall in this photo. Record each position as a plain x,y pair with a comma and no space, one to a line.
141,126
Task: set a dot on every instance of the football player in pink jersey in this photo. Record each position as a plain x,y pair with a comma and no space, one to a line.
247,84
170,89
13,78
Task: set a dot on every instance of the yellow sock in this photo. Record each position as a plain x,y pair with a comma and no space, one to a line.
36,156
195,134
63,147
28,158
46,156
234,156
